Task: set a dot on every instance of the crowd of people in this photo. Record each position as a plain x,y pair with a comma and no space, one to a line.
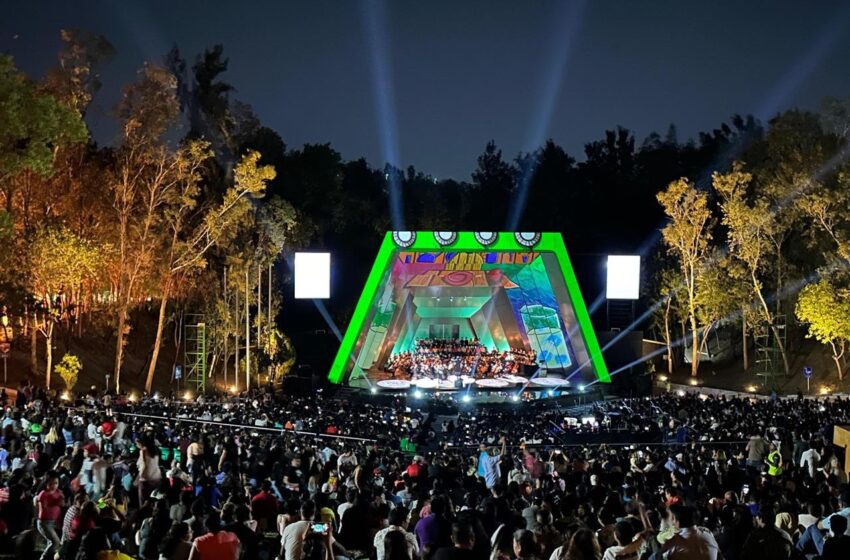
444,358
264,475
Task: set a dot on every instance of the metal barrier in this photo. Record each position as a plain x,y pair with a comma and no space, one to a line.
239,426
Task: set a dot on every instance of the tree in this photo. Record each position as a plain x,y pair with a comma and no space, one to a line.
750,229
60,265
32,126
190,242
75,80
493,181
826,311
687,236
717,296
69,369
146,174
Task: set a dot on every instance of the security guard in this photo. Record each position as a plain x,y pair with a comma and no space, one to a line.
774,461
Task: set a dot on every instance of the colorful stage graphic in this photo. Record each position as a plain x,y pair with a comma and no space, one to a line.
442,310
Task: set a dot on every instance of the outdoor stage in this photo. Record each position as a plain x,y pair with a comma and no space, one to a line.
386,383
484,311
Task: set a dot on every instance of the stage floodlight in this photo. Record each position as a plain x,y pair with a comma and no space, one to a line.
466,398
623,277
312,275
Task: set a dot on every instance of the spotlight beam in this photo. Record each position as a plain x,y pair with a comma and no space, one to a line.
570,21
375,28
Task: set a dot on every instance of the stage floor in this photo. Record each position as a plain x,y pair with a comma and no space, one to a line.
383,381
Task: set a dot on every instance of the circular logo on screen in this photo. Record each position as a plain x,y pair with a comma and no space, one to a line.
486,237
527,238
445,237
404,238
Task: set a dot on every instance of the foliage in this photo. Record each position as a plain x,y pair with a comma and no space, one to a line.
826,311
61,260
69,368
687,236
32,125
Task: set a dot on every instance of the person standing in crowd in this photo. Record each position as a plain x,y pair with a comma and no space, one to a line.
397,521
216,543
488,466
49,502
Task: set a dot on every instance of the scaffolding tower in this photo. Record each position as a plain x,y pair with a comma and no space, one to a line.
195,352
769,364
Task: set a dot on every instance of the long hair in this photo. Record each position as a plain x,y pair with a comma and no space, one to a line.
395,546
583,546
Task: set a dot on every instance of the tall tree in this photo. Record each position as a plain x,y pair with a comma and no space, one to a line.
146,175
751,229
826,311
32,127
688,236
191,239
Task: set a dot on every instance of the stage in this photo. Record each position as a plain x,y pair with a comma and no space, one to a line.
384,382
462,311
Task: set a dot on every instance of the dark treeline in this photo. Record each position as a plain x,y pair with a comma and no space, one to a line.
183,115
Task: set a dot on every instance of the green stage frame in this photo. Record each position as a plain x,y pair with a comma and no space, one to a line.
425,241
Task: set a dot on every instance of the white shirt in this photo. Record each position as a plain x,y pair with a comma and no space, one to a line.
612,551
412,545
691,543
812,457
293,539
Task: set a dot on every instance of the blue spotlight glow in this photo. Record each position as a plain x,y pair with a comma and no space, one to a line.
567,23
373,390
417,394
375,24
515,397
466,398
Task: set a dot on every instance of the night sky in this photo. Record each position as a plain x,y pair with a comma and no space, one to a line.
428,83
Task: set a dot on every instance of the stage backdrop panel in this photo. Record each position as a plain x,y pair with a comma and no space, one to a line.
507,290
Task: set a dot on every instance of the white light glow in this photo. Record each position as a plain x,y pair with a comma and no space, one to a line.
623,277
312,275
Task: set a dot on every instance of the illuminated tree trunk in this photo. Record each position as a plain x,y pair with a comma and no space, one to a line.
237,318
48,339
269,321
667,337
836,357
247,331
259,313
694,346
34,347
226,330
160,325
119,346
745,351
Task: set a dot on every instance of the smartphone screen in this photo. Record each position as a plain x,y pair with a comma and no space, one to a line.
320,527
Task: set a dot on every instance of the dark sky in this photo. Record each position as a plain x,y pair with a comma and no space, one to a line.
429,82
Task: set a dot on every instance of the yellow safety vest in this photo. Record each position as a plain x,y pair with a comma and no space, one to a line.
774,463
